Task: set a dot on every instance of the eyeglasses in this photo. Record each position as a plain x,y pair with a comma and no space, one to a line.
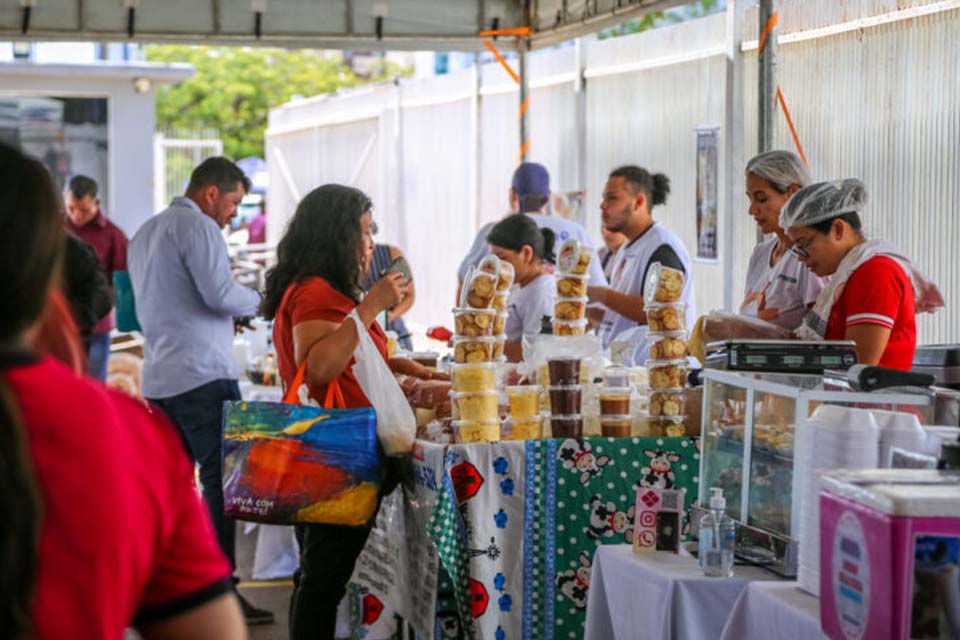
799,248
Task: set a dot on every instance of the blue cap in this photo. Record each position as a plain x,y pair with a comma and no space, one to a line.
531,179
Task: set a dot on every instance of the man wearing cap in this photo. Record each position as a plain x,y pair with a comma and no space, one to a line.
529,194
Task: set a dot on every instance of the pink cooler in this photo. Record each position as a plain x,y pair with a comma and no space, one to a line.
890,554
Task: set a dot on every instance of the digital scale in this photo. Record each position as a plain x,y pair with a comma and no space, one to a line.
781,356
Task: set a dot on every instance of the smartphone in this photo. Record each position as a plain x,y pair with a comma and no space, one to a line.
400,265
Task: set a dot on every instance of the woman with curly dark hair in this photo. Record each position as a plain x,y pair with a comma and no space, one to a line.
315,285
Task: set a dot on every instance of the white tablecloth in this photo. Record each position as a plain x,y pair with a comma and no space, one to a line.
774,610
659,595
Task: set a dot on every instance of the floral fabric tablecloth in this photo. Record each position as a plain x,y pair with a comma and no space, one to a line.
515,525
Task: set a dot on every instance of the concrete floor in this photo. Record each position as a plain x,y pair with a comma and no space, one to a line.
273,595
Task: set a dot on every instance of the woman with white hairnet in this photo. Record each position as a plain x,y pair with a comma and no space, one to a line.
875,291
779,287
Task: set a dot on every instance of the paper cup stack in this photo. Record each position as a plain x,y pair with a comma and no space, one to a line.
667,366
837,438
570,308
477,347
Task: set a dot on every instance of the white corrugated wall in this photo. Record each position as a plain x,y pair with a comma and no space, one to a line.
649,117
883,105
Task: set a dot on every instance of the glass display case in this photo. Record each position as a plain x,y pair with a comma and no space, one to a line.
752,424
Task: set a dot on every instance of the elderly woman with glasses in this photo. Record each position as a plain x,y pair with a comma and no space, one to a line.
875,292
779,288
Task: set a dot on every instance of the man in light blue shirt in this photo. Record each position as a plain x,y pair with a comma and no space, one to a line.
186,301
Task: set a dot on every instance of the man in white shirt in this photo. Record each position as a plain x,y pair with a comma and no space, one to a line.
628,200
529,194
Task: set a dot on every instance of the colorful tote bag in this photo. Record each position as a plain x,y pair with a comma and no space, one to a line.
286,463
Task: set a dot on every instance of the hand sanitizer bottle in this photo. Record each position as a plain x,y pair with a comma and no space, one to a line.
718,536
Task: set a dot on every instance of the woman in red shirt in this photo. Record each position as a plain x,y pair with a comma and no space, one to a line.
875,292
316,283
103,528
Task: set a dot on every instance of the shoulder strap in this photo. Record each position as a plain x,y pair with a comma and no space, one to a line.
333,400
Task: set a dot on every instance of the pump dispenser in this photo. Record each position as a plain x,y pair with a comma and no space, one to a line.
718,535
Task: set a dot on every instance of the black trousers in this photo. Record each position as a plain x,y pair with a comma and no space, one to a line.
198,414
328,554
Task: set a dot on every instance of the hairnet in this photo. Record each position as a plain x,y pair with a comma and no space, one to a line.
823,201
781,168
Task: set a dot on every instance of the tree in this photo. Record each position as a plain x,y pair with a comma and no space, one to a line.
234,88
698,9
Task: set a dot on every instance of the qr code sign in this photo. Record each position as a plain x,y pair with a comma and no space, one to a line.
670,501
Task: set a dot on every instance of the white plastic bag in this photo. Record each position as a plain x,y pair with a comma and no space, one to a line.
396,424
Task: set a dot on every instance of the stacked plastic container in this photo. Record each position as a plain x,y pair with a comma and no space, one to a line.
477,347
566,397
570,307
616,418
667,337
525,422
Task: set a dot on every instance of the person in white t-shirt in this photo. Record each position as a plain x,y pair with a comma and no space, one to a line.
518,240
529,194
629,196
779,288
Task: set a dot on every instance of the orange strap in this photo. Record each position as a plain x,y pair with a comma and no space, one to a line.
333,400
793,130
517,31
503,62
771,24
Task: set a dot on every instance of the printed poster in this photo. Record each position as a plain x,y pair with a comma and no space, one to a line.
707,150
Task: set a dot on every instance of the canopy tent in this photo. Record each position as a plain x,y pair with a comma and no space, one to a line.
441,25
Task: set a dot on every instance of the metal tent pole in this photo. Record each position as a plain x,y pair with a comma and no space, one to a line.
523,47
767,75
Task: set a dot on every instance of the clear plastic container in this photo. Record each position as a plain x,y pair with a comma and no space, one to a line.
474,377
564,370
569,327
666,317
566,400
664,284
479,290
667,427
570,308
476,407
473,350
616,426
572,258
466,431
667,402
615,401
474,323
667,374
571,286
499,341
670,345
426,358
499,324
617,377
524,402
499,302
525,429
566,426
